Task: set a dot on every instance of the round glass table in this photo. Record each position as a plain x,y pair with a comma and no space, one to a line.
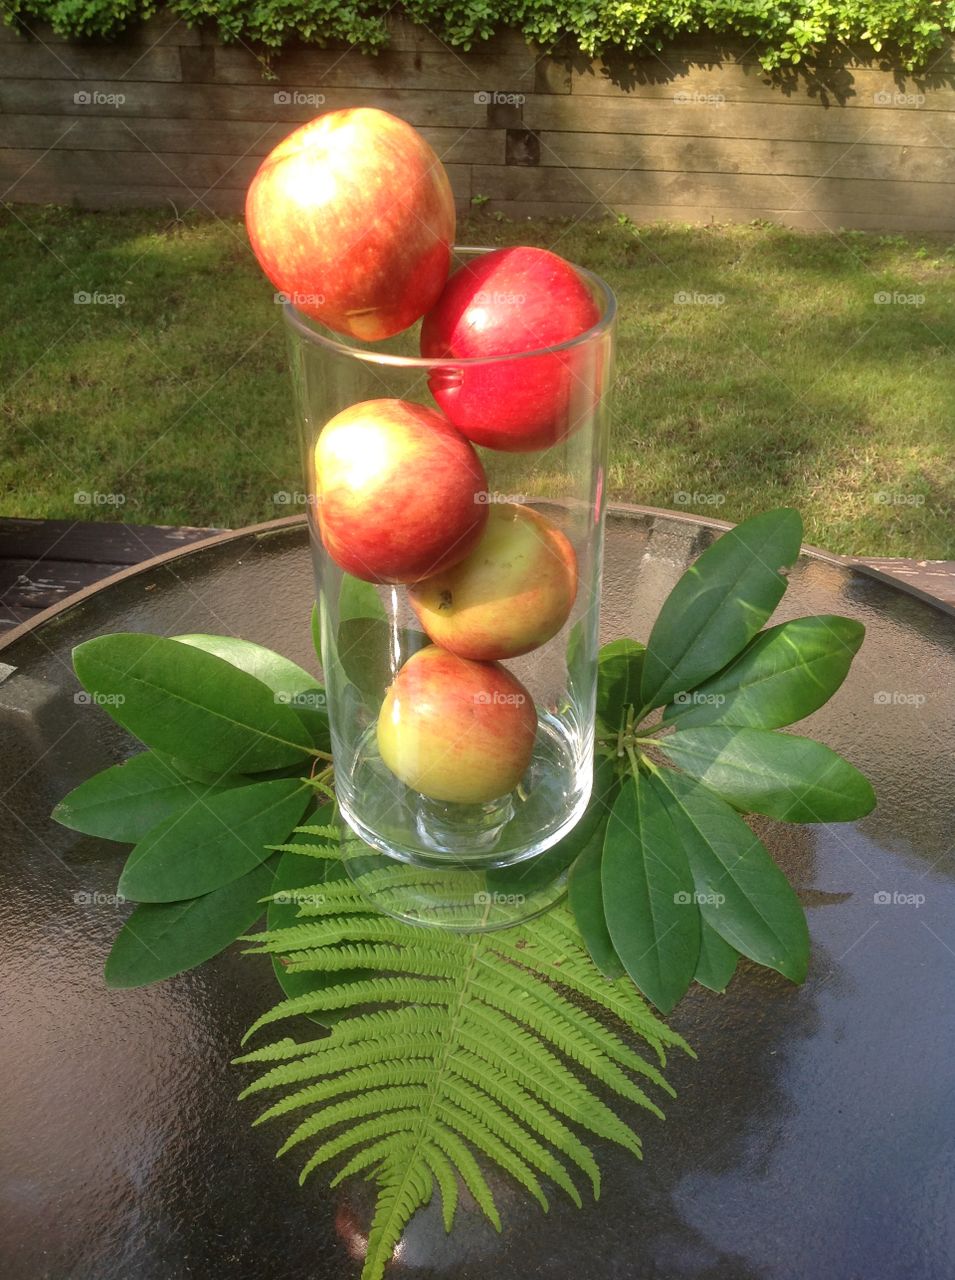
812,1138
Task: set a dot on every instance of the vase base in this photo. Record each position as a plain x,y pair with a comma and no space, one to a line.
458,897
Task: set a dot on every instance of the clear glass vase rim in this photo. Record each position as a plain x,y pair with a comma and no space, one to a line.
304,328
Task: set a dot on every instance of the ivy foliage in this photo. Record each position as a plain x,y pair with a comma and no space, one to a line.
785,34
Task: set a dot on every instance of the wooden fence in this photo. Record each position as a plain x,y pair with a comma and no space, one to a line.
168,116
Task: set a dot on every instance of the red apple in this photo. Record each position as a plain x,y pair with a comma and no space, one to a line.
398,491
352,216
511,594
502,303
457,731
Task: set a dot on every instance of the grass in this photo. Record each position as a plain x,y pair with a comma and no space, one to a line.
755,366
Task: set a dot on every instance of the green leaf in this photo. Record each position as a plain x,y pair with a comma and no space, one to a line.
619,669
743,894
288,681
719,604
648,902
717,962
786,673
126,801
213,842
370,650
784,776
162,939
586,902
359,599
191,704
536,873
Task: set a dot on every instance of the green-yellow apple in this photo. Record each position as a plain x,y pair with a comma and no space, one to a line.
503,303
455,730
398,491
511,594
352,217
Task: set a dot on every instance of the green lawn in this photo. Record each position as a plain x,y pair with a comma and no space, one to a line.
755,368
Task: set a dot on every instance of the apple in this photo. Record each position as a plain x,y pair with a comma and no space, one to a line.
501,303
455,730
511,594
352,216
398,491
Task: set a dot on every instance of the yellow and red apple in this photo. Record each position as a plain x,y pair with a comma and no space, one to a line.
399,491
352,216
511,594
457,731
504,303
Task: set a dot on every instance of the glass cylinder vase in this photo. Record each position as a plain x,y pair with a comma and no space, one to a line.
458,618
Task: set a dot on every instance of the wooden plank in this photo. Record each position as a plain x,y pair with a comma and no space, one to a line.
666,79
29,584
727,190
94,541
444,71
212,103
87,64
191,173
796,122
711,215
229,137
747,155
10,617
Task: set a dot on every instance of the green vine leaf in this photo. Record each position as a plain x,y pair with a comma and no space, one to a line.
742,893
190,704
717,962
648,895
162,939
785,674
461,1060
719,604
779,774
213,842
127,800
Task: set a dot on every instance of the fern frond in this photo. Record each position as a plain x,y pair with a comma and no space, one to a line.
453,1058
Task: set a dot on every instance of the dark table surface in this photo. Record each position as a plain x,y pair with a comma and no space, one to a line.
812,1140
